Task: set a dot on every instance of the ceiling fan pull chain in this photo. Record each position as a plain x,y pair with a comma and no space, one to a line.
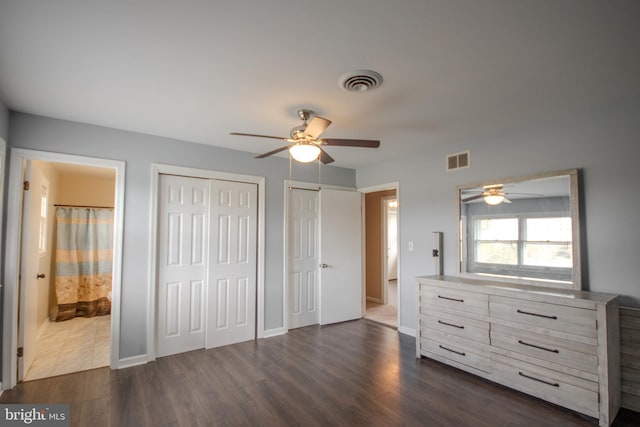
290,184
319,174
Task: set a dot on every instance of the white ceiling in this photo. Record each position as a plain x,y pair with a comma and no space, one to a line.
197,70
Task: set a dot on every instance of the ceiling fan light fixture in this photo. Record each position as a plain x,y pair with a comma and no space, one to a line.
304,152
493,199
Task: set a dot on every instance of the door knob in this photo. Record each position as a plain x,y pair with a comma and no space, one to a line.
41,276
323,265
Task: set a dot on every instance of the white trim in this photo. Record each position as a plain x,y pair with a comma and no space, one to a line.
128,362
156,170
381,187
12,261
285,246
3,154
385,246
407,331
313,186
275,332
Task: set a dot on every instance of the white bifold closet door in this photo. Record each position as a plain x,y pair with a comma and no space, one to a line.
231,314
324,250
340,256
206,263
304,258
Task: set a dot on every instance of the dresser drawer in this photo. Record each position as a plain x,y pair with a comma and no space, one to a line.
525,314
455,300
458,352
565,390
471,329
545,349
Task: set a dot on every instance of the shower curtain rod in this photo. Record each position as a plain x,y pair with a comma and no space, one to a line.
80,206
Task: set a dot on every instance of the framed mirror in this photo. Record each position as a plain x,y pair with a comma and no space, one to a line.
522,230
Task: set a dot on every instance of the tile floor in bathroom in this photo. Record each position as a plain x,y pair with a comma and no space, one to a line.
70,346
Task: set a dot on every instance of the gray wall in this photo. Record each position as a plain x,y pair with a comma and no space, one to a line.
139,151
603,141
4,121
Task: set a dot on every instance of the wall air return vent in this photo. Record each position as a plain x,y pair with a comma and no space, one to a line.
458,161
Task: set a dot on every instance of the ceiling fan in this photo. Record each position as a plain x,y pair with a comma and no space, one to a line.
304,143
493,194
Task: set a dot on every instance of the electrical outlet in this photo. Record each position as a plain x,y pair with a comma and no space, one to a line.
410,246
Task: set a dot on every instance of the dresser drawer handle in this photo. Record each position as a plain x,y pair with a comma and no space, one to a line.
539,347
538,315
451,299
539,380
450,324
452,351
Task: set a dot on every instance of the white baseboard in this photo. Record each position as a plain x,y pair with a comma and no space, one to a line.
407,331
128,362
274,332
376,300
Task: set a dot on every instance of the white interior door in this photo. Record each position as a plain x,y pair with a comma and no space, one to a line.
29,268
302,247
340,256
233,261
182,261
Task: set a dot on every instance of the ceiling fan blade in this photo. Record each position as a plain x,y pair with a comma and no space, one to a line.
505,200
476,197
527,194
316,126
325,157
276,151
258,136
366,143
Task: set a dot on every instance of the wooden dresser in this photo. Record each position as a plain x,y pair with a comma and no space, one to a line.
558,345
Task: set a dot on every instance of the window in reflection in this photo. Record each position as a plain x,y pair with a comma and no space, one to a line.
524,238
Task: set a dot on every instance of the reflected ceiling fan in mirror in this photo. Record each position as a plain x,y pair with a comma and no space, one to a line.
304,144
493,195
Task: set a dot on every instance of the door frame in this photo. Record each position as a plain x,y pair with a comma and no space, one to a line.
13,242
373,189
385,246
302,185
156,170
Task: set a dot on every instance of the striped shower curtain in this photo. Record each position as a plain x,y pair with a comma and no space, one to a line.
84,253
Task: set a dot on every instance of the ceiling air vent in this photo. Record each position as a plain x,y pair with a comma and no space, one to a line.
458,161
360,81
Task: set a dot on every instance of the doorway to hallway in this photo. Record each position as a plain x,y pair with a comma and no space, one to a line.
381,227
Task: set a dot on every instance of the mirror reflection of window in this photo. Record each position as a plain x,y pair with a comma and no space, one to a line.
496,240
547,242
541,242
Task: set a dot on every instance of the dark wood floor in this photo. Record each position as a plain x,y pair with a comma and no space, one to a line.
351,374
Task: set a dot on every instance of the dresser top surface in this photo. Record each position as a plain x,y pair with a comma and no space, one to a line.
512,288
